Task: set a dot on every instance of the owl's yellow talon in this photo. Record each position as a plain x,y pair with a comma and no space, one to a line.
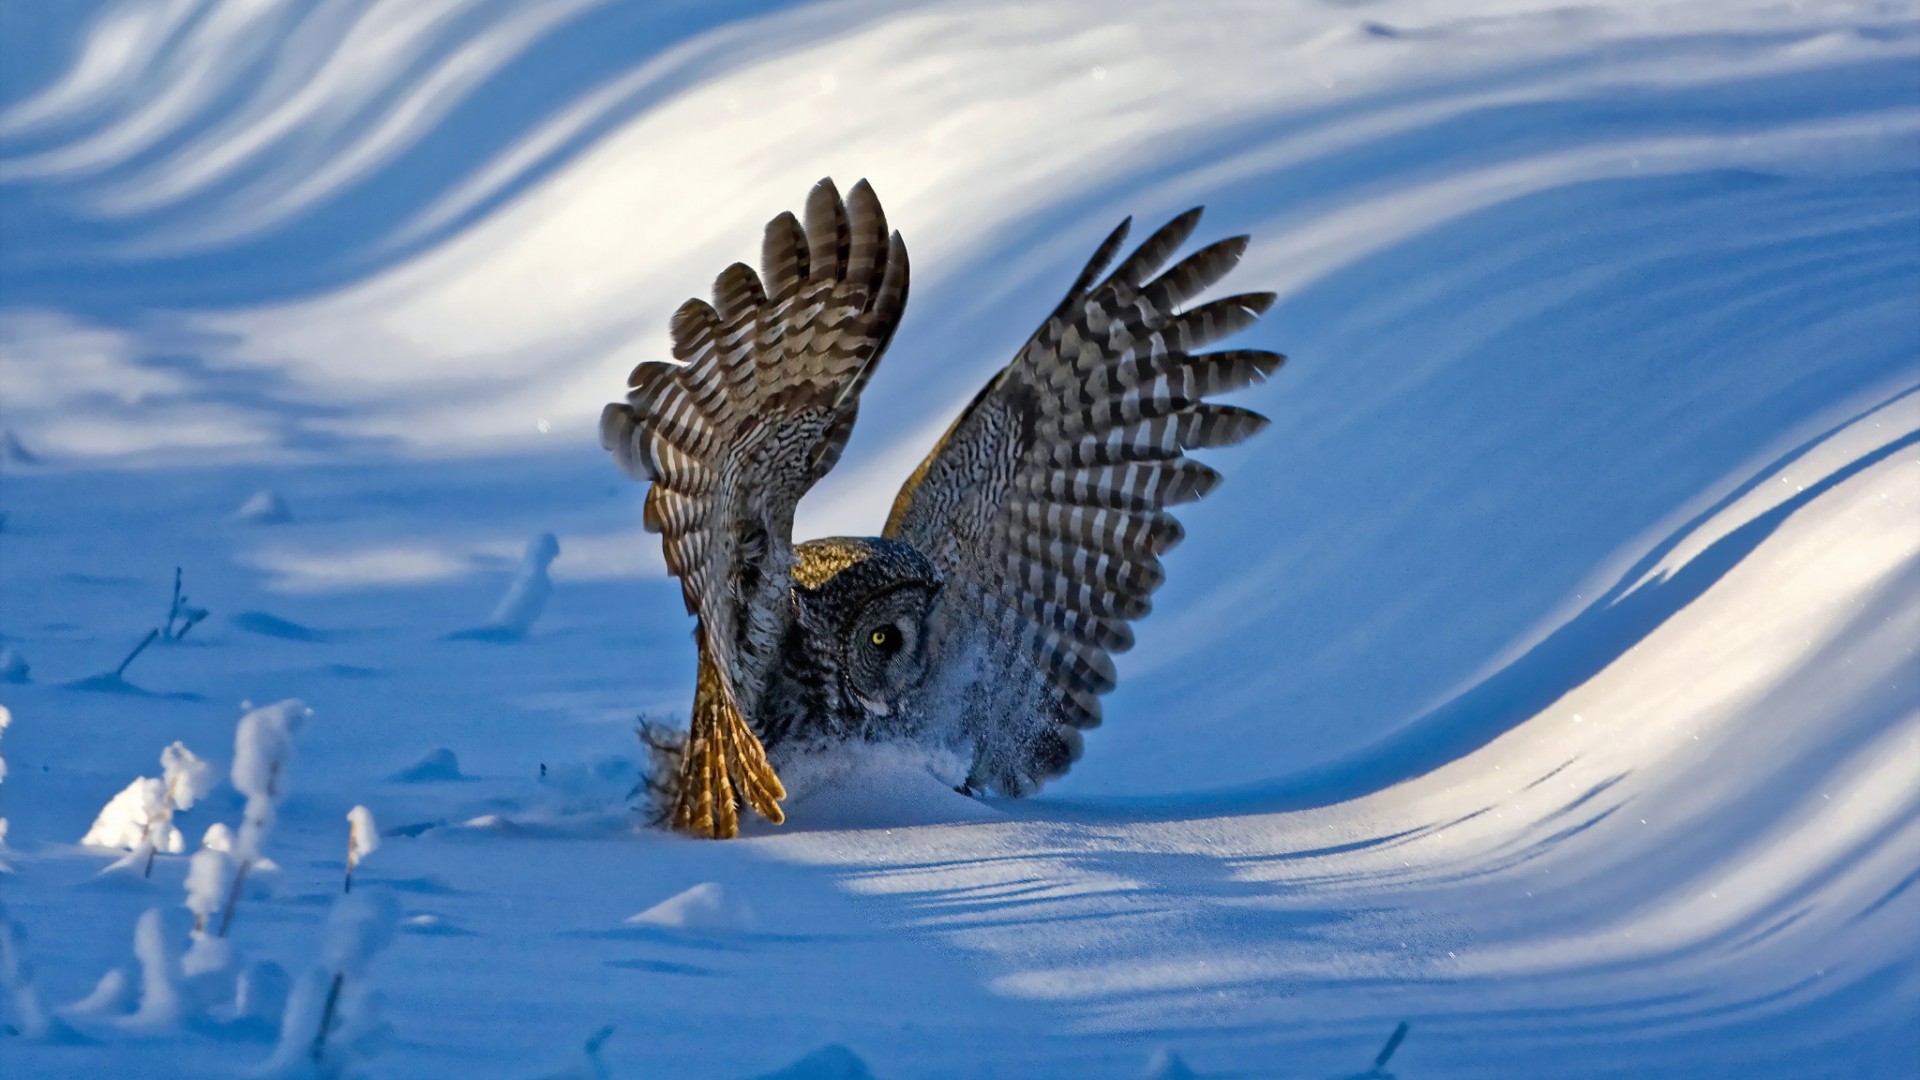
724,765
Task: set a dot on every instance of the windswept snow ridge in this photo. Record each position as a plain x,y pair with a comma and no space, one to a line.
1543,678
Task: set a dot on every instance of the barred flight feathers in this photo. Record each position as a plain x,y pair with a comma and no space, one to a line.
1046,500
756,411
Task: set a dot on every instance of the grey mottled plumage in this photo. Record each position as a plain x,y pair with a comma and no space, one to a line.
1017,554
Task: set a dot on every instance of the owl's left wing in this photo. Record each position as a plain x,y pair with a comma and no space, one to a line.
1046,501
758,409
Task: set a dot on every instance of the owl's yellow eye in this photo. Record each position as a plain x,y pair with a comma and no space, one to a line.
886,638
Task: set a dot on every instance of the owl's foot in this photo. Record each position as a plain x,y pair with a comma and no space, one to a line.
721,765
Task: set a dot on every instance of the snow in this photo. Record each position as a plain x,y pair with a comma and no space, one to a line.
187,778
1544,677
707,907
363,837
264,508
135,818
261,992
1166,1065
112,996
435,766
358,928
526,596
834,1062
13,451
140,818
208,873
160,1002
218,837
331,1022
262,754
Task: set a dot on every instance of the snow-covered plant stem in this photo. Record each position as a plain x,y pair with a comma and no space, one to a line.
262,746
326,1016
363,836
188,780
140,817
206,873
146,835
332,1017
246,861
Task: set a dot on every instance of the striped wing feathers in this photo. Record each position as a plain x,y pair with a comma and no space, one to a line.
756,409
1050,493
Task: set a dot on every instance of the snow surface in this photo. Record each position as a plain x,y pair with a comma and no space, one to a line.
1544,677
363,835
264,508
705,908
138,816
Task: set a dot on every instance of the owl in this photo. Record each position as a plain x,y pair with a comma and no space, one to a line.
985,616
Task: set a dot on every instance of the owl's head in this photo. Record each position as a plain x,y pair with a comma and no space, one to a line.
858,647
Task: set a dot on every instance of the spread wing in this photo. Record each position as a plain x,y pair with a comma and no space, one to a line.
758,409
1046,501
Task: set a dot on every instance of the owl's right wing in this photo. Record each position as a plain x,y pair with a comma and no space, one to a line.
1046,501
758,409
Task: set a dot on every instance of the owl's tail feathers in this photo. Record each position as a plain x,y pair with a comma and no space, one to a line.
723,765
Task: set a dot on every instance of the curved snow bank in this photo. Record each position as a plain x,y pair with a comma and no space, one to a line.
1711,841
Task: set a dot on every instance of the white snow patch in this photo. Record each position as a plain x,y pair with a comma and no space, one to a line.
83,393
1166,1065
206,955
112,996
187,777
136,817
160,1000
367,566
209,873
708,907
262,751
140,817
526,598
363,837
363,834
264,508
831,1062
436,765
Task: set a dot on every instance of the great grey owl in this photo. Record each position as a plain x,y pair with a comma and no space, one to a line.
985,615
